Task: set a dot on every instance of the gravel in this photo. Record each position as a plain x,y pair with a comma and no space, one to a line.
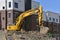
31,35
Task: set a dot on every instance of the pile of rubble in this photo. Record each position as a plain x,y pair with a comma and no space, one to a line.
31,35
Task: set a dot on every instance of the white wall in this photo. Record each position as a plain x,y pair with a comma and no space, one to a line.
49,14
21,5
2,3
35,4
53,15
44,16
8,4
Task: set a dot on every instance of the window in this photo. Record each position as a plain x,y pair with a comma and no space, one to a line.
53,19
16,5
9,15
50,18
9,4
15,15
3,18
56,20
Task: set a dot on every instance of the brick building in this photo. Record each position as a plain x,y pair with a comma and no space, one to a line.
10,9
53,21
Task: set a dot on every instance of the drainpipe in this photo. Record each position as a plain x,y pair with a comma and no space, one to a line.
6,14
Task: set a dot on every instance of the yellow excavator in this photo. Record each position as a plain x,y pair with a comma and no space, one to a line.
23,15
11,29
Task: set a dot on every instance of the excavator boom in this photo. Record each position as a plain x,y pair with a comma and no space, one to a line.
23,15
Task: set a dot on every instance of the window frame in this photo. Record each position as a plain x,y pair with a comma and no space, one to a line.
50,18
53,19
15,5
56,20
9,4
9,15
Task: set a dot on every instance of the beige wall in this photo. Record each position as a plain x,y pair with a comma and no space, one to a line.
9,17
3,19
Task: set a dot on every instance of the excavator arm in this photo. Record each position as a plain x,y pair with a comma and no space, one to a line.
20,18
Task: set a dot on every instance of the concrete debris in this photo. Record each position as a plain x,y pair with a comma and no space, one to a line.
31,35
44,30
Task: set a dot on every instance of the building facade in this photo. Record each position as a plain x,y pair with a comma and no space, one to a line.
11,9
51,20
